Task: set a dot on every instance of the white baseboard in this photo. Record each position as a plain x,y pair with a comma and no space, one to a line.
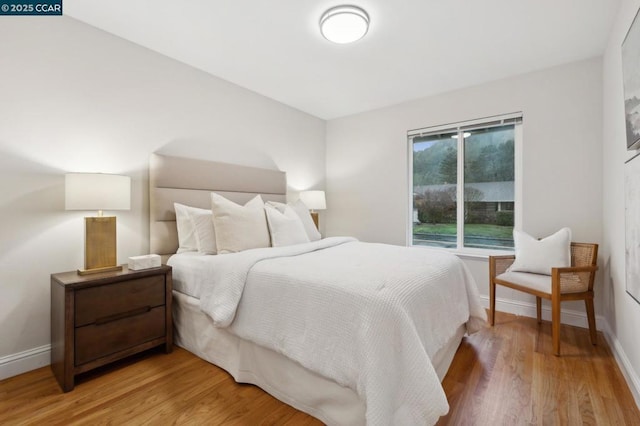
525,309
12,365
578,319
630,375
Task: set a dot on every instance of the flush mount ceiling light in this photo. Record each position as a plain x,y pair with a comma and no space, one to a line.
344,24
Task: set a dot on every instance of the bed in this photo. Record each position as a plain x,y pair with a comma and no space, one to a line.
348,332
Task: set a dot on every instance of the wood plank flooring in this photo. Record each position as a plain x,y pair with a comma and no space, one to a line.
508,375
501,375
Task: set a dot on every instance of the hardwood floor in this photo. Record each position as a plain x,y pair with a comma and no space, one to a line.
502,375
508,375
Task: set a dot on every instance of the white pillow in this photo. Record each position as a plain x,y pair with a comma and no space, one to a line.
278,206
305,217
237,227
539,256
286,228
186,230
205,233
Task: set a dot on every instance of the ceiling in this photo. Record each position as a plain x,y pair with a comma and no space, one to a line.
414,48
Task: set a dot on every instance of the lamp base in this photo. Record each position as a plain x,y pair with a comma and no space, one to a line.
99,270
100,244
314,216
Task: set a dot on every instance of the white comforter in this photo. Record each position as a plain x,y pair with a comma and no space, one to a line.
368,316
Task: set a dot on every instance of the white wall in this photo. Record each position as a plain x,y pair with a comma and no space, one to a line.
73,98
367,178
622,312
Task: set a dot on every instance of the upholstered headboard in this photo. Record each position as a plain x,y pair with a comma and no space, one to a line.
190,181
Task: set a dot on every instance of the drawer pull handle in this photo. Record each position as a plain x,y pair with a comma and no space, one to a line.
131,313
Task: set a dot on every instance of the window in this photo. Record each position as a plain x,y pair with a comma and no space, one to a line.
463,181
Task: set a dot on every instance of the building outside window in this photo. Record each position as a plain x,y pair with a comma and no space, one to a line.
463,182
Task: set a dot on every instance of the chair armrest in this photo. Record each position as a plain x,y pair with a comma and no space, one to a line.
499,264
573,279
563,270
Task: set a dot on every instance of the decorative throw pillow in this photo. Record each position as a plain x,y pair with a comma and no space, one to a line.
539,256
205,233
285,227
305,217
278,206
237,227
186,230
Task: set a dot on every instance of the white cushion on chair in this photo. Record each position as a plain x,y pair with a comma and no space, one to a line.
539,256
538,282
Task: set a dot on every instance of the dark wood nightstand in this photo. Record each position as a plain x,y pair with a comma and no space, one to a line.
98,319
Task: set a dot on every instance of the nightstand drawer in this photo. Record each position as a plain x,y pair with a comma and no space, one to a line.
104,302
101,339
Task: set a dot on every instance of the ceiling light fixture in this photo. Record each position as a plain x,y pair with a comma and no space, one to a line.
344,24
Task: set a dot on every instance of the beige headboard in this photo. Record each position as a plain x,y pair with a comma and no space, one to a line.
189,181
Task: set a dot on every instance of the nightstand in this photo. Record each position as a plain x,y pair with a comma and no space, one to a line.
101,318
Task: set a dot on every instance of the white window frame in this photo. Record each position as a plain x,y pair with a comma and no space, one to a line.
505,119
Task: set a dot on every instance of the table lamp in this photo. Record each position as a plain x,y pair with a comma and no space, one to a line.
314,200
98,191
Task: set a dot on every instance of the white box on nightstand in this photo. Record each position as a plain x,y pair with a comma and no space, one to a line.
144,262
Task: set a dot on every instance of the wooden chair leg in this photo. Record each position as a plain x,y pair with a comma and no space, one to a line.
555,323
492,302
539,309
591,317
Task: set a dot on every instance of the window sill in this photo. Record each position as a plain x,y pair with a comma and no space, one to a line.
470,253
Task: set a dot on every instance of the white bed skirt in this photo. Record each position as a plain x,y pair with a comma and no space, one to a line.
278,375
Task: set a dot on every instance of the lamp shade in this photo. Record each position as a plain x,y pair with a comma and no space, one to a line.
314,200
97,191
